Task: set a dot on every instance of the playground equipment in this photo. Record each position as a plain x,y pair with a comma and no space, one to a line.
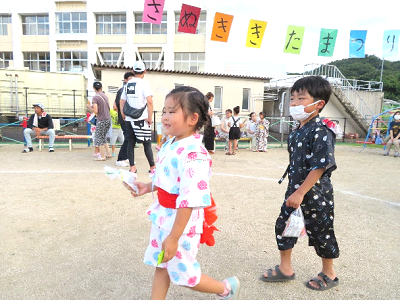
379,123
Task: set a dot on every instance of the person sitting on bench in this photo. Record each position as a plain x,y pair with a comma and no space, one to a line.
40,123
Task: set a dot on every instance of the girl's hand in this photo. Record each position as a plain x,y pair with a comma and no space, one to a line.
144,188
170,246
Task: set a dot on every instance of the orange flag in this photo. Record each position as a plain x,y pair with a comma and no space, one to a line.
221,28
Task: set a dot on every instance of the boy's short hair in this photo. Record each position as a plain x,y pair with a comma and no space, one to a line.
318,88
229,110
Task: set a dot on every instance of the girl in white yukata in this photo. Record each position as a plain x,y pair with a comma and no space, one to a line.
183,191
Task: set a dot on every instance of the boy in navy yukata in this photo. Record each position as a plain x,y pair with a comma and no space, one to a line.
311,153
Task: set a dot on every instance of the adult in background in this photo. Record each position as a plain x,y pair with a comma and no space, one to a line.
122,160
394,135
101,108
137,93
209,133
40,123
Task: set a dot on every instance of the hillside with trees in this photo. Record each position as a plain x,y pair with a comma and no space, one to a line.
369,69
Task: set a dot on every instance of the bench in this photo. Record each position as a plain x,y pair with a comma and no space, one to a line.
246,139
69,137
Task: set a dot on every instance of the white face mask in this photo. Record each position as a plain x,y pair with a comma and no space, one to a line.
397,117
298,113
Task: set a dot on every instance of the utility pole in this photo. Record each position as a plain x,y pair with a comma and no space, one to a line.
74,102
383,60
26,100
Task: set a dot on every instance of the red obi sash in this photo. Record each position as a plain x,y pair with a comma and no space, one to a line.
168,200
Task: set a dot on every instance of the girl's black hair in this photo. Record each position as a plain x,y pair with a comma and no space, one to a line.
236,109
262,113
191,100
251,114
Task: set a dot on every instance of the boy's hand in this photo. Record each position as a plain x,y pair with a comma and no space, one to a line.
294,200
170,246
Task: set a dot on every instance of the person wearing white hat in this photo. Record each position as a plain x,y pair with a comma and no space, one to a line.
138,94
40,123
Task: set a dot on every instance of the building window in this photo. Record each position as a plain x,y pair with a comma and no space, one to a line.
72,61
75,22
150,59
111,24
4,20
149,28
201,23
5,58
246,99
111,58
189,61
35,25
218,97
39,61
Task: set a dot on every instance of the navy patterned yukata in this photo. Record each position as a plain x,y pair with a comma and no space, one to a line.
311,147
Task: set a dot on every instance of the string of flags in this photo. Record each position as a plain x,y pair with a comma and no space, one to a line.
189,16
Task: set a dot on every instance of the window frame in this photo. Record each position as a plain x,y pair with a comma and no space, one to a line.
191,62
113,24
248,99
151,63
150,27
114,58
3,24
31,61
216,99
72,61
39,28
71,22
5,61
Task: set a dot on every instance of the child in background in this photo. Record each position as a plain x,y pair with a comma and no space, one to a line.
116,131
251,128
235,123
183,189
262,133
311,163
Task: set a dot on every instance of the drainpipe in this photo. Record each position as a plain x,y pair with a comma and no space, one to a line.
11,91
16,95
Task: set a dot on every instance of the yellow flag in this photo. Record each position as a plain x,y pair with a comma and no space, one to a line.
255,33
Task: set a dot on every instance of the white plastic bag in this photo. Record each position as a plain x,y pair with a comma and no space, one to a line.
128,178
295,224
215,121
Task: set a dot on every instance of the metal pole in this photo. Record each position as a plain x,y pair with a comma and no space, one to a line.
26,100
74,101
383,60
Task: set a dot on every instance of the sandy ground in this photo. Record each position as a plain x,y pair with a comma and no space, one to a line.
68,232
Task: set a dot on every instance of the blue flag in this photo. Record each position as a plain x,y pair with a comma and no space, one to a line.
357,43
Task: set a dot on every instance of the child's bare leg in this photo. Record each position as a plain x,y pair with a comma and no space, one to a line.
209,285
236,145
286,264
113,148
327,269
161,283
230,146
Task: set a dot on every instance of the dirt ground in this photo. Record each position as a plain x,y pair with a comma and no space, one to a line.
68,232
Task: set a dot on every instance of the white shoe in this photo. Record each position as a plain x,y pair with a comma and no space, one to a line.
122,163
51,149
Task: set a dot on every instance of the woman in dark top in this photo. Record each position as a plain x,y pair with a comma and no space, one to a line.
209,133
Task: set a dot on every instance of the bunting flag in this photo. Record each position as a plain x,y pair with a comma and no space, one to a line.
222,27
294,39
390,46
189,18
357,43
153,11
327,41
255,33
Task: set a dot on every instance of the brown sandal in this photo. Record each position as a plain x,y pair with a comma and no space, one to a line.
228,153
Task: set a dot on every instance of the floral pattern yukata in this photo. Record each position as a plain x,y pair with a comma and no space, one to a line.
183,169
311,147
262,133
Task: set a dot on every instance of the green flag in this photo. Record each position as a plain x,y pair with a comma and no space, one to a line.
327,41
294,39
